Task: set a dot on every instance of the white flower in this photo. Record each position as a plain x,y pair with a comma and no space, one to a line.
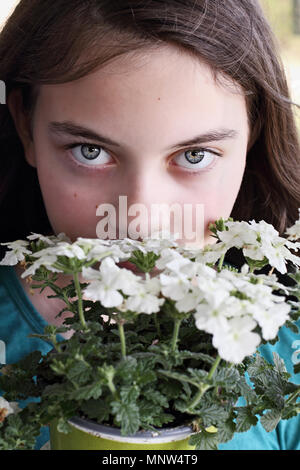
214,291
190,301
50,239
293,232
97,249
145,299
106,288
175,286
271,318
210,320
170,258
47,261
98,291
48,256
43,238
143,302
238,340
260,240
211,253
66,249
108,281
7,408
18,250
238,234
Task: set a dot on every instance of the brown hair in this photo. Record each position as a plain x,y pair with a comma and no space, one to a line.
54,41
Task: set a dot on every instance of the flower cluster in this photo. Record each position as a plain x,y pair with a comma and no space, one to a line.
260,241
239,309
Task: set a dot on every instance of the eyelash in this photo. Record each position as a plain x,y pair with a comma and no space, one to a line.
93,169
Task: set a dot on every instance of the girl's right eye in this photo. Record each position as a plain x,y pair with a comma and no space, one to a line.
89,154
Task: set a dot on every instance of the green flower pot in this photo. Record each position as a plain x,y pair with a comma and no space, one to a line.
88,435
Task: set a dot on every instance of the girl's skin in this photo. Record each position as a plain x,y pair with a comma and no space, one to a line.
147,104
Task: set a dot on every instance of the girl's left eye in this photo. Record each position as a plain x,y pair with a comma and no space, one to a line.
89,154
196,159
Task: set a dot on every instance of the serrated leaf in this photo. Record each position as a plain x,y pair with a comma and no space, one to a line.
127,415
58,390
129,393
245,419
96,409
270,420
212,415
226,377
279,363
226,431
63,426
86,392
153,415
204,440
182,377
79,373
157,398
246,391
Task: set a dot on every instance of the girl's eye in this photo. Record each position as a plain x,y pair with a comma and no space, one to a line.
90,154
196,159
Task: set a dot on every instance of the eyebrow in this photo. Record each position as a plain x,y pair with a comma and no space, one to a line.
70,128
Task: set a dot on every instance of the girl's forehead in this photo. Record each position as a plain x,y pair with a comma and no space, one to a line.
162,71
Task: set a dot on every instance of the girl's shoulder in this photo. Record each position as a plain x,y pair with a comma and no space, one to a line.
18,319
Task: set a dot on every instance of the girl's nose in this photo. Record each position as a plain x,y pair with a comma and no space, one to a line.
143,210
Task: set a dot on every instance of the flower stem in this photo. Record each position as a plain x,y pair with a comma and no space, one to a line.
293,396
122,339
157,324
79,301
177,323
112,388
221,261
204,387
214,367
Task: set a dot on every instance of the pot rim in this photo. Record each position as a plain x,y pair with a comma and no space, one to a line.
177,433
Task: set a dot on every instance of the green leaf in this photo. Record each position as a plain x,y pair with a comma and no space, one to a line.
297,368
279,363
154,396
129,393
127,415
292,326
246,391
226,430
79,373
270,420
96,409
245,419
196,355
212,415
204,440
86,392
196,380
226,377
257,264
63,426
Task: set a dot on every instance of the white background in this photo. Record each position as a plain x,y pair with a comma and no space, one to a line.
6,8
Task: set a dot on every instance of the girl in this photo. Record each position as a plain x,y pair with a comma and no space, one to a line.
163,101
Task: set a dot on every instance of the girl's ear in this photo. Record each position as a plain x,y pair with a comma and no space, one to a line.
22,124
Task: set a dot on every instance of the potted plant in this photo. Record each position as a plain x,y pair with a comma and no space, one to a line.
162,356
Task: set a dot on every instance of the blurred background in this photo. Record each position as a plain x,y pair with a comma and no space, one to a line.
284,16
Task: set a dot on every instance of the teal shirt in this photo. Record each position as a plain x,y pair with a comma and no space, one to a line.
19,318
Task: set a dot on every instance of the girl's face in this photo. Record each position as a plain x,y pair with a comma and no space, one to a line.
120,131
